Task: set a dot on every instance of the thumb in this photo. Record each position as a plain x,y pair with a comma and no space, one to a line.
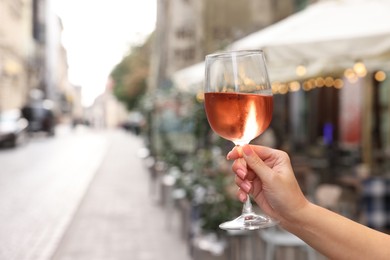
255,162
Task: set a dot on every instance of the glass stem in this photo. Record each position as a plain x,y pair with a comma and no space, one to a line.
247,207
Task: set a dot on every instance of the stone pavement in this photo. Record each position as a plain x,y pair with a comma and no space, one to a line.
118,219
41,186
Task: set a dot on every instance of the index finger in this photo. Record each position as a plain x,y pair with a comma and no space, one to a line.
262,151
235,153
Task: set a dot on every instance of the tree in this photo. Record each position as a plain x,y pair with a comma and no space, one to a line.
131,74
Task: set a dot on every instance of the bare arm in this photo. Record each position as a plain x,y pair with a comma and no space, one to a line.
267,174
336,236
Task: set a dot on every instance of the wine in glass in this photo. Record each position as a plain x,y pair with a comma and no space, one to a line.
238,105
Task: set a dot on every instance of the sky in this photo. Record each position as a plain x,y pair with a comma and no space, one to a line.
98,33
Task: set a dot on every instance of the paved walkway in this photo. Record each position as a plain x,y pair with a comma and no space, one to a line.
117,218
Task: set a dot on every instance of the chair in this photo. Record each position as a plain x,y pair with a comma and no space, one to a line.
275,237
328,196
241,245
376,203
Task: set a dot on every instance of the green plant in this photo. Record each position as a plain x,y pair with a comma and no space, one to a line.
219,205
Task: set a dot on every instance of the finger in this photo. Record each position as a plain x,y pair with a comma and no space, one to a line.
240,168
250,175
271,157
239,164
238,181
241,195
257,187
244,185
256,163
235,153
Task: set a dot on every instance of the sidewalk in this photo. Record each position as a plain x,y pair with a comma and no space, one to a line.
117,218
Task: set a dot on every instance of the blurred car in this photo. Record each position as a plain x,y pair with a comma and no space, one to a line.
13,127
41,117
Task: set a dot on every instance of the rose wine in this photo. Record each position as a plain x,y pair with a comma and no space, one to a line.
238,117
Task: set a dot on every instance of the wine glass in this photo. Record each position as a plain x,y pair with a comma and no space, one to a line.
238,105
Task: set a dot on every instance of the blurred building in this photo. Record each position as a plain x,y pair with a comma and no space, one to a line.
106,111
339,116
187,30
71,103
32,55
14,31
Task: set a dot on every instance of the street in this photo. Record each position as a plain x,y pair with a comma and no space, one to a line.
41,185
74,197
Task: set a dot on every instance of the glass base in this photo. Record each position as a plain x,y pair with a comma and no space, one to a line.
248,221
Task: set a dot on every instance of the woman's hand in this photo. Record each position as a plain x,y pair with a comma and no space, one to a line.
267,174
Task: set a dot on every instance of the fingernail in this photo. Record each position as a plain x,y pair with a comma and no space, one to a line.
247,150
228,155
246,186
241,173
242,197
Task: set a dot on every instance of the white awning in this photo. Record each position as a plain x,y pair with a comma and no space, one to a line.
326,37
189,79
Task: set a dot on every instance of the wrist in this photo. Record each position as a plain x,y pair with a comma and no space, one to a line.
296,219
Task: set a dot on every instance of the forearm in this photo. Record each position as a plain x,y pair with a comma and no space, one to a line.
335,236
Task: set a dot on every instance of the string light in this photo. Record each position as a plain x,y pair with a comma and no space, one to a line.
329,82
294,86
338,83
380,76
360,69
351,75
283,88
275,87
307,86
320,82
300,70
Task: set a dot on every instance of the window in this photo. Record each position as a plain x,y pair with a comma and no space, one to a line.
186,54
185,33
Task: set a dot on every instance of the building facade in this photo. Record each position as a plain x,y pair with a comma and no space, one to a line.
32,55
13,70
187,30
